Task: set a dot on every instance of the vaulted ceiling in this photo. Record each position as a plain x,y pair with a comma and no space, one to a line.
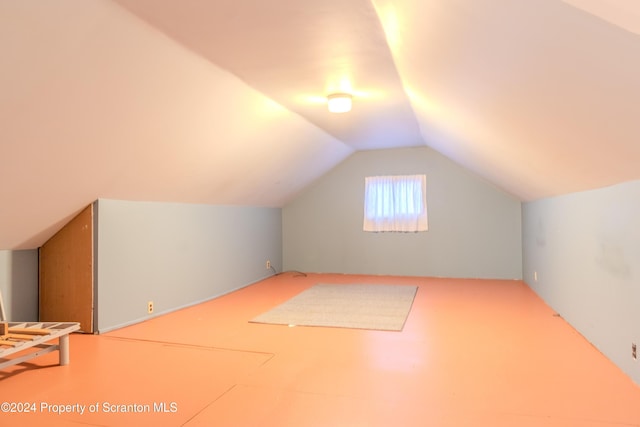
224,101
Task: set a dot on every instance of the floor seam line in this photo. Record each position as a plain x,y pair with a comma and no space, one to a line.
178,344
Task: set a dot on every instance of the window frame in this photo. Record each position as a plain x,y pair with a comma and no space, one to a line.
395,203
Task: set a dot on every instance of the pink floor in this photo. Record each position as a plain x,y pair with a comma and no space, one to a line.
472,353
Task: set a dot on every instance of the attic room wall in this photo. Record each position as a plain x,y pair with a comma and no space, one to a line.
474,227
584,249
19,284
177,255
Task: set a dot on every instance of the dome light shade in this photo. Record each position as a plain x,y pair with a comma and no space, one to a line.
339,102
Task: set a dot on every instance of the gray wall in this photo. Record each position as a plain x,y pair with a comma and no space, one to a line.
178,254
474,227
585,249
19,284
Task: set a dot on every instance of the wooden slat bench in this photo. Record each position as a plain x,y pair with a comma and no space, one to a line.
33,339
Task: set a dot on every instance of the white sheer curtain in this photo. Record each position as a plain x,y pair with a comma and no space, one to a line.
395,203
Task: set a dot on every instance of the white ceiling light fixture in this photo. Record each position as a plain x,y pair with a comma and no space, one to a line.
339,102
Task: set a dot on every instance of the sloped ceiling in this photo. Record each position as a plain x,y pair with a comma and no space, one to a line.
223,101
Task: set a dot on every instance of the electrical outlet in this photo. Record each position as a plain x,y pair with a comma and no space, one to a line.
535,276
634,353
268,264
150,307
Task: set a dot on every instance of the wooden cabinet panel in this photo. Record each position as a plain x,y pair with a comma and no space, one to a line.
66,274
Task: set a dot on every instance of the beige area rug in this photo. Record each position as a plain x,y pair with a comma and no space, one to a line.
379,307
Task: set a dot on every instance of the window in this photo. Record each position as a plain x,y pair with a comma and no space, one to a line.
395,203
